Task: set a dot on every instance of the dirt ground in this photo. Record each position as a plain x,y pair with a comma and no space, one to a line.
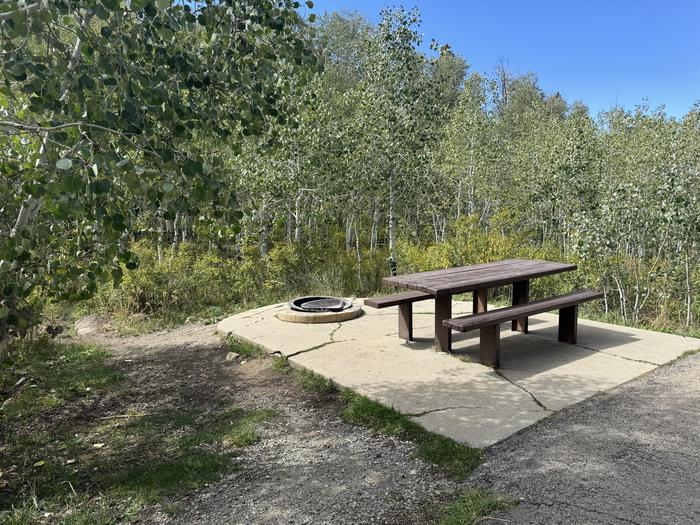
308,467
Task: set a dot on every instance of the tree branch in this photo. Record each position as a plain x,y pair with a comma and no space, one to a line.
29,128
9,14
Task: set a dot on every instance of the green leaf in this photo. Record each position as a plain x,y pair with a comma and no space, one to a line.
192,168
72,184
64,164
117,275
138,5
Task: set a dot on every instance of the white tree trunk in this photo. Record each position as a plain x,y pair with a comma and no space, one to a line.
176,232
392,231
375,226
297,218
161,228
348,233
688,293
359,259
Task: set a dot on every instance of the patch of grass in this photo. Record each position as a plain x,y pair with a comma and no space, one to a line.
688,353
61,463
307,379
280,364
41,374
132,325
244,349
454,458
234,426
148,481
72,510
471,506
127,324
313,382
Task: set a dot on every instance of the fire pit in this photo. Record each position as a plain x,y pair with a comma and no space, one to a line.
319,309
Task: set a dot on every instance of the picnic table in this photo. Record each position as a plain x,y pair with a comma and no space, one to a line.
477,278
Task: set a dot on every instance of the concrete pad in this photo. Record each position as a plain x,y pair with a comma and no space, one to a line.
420,379
262,327
559,374
623,341
423,383
446,394
479,427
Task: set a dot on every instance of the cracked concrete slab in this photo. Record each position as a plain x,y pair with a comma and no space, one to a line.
622,341
463,400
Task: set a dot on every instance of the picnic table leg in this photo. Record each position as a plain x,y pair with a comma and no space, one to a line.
443,310
490,346
568,324
521,294
406,321
480,300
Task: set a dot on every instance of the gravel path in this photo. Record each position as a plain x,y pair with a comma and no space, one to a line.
309,466
631,455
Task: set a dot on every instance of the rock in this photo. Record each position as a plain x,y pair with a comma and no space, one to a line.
90,324
231,356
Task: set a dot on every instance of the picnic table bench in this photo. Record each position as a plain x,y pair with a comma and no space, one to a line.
441,285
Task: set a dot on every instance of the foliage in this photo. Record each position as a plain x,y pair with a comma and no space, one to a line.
413,156
194,282
115,112
299,180
191,282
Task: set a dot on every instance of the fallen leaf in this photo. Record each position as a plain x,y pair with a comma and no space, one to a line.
39,463
70,462
98,445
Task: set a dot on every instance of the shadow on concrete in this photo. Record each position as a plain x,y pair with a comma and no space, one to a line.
539,349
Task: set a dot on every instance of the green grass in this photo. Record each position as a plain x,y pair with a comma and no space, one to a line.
60,459
454,458
472,506
688,353
127,324
52,375
307,379
244,349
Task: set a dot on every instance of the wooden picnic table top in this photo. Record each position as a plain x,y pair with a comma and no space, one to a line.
450,281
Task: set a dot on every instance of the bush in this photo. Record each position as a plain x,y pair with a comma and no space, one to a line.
189,282
197,282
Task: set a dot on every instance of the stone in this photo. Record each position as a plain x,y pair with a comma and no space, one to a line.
90,324
231,356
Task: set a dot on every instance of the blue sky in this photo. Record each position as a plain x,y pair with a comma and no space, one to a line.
603,53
